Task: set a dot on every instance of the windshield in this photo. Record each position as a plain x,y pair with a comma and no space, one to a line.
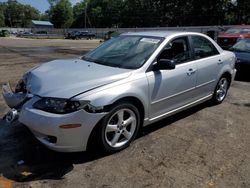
129,52
238,31
243,45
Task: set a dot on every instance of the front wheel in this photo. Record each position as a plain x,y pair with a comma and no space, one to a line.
221,89
119,127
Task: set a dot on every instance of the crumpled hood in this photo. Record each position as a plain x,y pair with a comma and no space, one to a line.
67,78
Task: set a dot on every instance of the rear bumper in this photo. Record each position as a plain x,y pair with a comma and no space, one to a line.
45,125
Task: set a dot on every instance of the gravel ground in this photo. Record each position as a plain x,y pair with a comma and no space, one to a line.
206,146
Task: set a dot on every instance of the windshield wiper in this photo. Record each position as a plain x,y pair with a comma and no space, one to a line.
94,60
87,59
101,62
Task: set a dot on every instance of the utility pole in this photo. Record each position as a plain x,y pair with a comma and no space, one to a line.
85,18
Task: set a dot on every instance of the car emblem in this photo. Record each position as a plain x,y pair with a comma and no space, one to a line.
225,40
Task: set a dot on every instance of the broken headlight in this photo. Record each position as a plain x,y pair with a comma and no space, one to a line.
21,87
59,106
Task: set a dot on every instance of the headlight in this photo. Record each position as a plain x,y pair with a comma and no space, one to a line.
21,87
59,106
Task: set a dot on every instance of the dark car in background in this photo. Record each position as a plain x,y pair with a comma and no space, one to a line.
24,34
232,35
111,34
242,52
79,35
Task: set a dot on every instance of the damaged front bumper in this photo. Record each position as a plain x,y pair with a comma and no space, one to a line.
12,99
51,131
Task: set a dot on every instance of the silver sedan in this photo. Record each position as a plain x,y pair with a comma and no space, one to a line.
126,83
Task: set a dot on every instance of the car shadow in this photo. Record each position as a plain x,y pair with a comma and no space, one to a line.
174,118
23,158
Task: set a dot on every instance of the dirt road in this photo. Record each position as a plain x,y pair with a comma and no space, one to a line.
207,146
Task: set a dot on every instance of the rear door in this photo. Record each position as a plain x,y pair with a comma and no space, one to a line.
209,63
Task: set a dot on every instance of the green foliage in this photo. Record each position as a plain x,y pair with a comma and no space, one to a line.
154,13
61,14
2,18
129,13
18,15
45,16
242,10
53,2
104,13
4,33
79,15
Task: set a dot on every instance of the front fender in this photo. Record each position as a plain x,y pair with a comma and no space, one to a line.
135,88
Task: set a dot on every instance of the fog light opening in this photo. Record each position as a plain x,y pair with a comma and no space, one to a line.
51,139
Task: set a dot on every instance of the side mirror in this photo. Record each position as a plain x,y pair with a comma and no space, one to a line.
165,64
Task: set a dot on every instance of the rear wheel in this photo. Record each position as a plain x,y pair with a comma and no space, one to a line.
119,127
221,89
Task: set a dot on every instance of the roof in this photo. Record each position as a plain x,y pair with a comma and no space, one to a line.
37,22
156,33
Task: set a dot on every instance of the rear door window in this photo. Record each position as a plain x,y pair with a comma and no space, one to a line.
203,48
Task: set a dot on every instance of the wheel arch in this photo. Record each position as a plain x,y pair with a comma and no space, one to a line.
135,101
129,99
227,75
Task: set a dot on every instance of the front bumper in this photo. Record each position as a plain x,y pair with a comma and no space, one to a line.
44,125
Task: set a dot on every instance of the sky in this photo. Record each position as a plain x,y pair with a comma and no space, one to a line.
41,5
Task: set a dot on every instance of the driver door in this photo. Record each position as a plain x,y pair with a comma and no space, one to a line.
172,89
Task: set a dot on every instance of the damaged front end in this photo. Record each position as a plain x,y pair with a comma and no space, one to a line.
14,99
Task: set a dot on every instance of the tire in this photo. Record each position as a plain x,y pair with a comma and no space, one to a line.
119,127
221,90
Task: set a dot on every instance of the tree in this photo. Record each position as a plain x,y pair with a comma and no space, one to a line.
45,16
53,2
29,13
61,14
79,15
242,11
104,13
2,18
18,15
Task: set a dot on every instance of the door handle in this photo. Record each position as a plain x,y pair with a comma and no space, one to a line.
220,62
190,72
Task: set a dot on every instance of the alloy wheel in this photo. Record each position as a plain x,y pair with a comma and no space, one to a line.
221,90
120,128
